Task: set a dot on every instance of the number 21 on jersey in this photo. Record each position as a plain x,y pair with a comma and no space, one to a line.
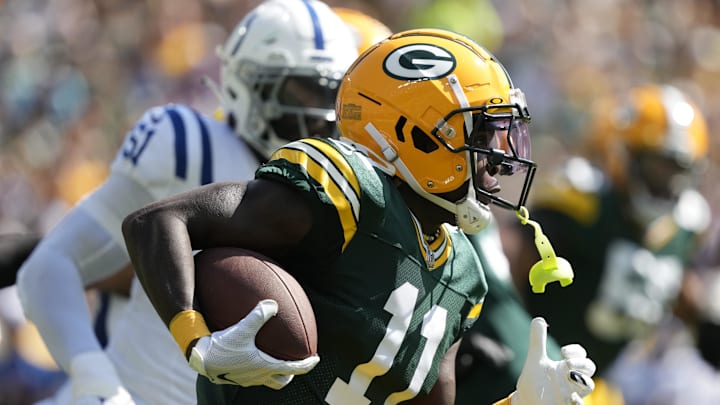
138,138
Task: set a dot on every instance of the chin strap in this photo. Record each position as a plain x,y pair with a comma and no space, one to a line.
550,268
471,215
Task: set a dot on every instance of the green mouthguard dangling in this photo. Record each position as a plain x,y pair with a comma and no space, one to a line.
550,267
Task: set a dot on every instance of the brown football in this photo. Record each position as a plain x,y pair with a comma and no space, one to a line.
229,282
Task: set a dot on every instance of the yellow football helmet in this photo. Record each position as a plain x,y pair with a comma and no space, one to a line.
439,111
657,120
663,119
652,142
367,30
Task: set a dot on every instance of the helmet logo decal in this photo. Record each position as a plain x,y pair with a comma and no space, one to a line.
419,61
351,111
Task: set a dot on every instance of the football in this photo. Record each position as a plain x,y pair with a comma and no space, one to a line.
229,282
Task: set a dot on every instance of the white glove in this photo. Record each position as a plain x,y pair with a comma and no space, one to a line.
230,356
548,382
95,381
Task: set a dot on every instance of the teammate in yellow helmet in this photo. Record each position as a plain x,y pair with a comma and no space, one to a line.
628,216
366,30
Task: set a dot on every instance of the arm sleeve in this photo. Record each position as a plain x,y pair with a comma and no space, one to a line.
80,250
157,158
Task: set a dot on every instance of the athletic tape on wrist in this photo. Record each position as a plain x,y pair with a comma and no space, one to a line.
187,326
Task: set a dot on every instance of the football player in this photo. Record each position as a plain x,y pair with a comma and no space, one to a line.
373,226
493,351
628,216
280,71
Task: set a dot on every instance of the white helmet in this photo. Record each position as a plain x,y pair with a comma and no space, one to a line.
281,68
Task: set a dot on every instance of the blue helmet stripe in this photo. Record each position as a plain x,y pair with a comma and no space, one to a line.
319,40
246,25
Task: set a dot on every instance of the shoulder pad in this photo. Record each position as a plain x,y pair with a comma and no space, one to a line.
166,150
325,165
335,173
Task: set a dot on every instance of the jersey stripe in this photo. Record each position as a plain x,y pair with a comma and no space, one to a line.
206,170
475,311
340,165
339,169
327,167
180,142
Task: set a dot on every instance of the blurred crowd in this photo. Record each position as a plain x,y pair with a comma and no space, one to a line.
75,75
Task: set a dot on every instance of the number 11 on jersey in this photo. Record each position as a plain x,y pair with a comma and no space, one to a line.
400,304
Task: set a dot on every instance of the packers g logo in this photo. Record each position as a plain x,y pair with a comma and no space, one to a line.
419,61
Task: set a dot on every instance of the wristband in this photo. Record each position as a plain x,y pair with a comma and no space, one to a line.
187,326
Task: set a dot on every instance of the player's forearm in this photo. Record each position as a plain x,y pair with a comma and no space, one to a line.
161,237
161,253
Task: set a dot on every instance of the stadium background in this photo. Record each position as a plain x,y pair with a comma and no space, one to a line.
76,74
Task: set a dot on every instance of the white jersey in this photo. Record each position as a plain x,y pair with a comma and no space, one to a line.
170,150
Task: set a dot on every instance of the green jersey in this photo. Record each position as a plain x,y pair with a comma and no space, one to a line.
388,305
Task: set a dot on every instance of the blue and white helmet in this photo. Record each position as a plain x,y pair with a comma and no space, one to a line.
281,69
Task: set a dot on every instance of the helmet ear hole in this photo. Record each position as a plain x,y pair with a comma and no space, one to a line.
423,141
231,93
231,121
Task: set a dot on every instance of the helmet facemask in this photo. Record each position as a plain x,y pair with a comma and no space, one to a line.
287,104
293,103
498,143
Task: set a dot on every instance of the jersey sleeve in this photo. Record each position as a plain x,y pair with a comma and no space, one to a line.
50,283
334,184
